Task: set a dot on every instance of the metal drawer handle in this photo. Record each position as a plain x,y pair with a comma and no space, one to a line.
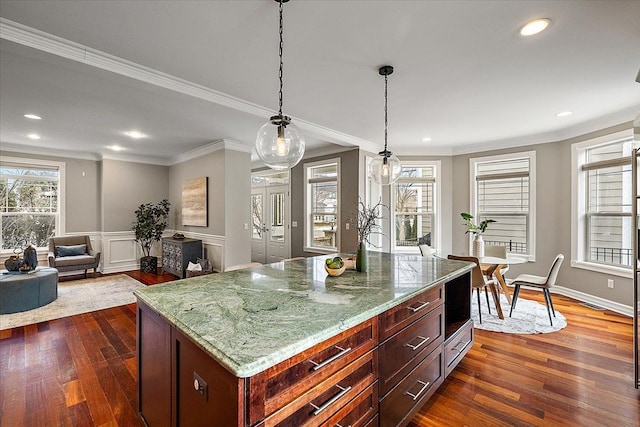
342,352
420,307
417,346
325,405
424,387
340,425
460,346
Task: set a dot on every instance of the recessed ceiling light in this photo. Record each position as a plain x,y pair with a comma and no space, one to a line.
135,134
115,148
34,136
32,117
564,113
426,139
534,27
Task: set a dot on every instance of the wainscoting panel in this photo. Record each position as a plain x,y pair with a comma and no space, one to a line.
120,251
214,247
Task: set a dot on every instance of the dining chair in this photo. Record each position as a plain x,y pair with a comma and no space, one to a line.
498,251
543,282
241,266
426,250
478,281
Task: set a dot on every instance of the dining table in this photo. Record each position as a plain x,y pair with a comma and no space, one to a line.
493,266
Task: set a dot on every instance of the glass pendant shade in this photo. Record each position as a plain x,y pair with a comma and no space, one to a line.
385,169
279,143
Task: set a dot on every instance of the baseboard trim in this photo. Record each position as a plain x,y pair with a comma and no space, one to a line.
626,310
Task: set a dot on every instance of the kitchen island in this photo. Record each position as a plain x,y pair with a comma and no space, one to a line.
285,345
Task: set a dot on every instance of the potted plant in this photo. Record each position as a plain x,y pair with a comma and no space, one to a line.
478,230
150,223
367,225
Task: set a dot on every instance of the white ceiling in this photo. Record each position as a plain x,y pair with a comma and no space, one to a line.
188,73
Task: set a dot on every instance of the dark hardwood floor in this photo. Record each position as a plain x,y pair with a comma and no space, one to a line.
81,371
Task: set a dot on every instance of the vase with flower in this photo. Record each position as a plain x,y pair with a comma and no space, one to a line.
367,225
477,230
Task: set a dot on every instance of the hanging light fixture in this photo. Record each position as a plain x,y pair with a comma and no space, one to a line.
386,168
279,143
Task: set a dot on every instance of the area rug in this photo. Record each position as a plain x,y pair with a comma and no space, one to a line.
529,317
76,297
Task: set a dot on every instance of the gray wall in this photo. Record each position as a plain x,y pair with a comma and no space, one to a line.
349,171
229,190
237,187
82,191
125,186
553,216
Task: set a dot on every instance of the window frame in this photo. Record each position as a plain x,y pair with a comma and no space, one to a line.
60,218
435,237
308,222
531,223
579,216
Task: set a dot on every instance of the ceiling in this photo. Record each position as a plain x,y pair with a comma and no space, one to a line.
192,73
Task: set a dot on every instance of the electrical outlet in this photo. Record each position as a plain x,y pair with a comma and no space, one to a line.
610,283
346,225
294,223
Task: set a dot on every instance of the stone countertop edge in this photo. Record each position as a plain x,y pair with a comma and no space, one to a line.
260,364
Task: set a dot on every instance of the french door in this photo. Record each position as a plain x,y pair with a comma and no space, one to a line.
270,234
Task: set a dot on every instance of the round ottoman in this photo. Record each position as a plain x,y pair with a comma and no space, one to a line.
26,291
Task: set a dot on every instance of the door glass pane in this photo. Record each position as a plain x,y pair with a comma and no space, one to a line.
277,217
256,216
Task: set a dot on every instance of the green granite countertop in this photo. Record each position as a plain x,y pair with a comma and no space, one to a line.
249,320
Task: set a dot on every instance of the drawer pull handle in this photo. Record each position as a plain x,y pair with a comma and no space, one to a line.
417,395
342,352
325,405
417,346
340,425
420,307
460,346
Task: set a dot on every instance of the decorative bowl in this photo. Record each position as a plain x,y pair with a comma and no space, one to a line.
335,271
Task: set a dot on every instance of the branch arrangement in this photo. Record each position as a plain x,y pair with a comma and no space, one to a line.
367,217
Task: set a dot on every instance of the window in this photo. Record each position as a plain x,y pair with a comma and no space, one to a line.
322,194
503,189
603,221
31,199
414,206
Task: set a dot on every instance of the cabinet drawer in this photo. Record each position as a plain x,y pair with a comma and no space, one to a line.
358,412
409,395
281,384
393,320
315,406
457,346
402,352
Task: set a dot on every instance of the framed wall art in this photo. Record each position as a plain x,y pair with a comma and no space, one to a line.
194,202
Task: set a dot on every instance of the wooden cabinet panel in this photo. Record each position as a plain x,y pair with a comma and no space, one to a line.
319,403
393,320
402,352
457,346
397,408
154,368
278,386
207,394
358,412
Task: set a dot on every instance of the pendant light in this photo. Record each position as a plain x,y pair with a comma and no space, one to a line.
386,168
279,143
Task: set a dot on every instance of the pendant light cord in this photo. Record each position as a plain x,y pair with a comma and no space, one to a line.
280,74
386,126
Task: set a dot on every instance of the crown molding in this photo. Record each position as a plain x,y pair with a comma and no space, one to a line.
217,145
134,158
46,42
45,151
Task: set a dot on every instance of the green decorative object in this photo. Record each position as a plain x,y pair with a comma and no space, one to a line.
150,223
361,258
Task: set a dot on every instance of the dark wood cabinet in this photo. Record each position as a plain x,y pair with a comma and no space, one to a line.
177,253
379,372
